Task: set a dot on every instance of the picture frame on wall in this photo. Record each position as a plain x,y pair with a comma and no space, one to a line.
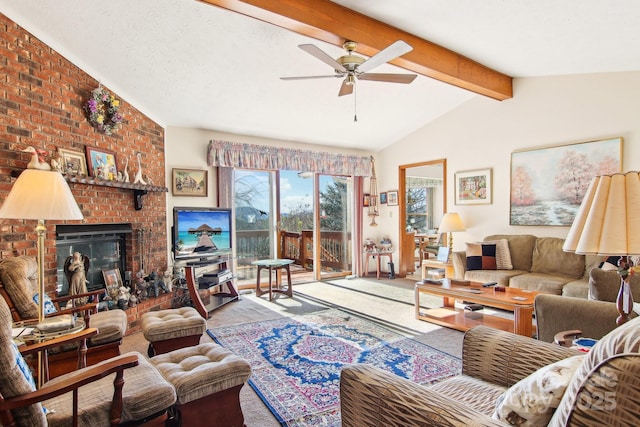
102,163
549,183
72,162
383,198
392,198
473,187
366,200
189,182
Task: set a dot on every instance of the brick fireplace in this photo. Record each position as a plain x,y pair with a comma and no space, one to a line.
43,95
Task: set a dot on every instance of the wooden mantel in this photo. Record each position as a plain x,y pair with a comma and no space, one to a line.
333,23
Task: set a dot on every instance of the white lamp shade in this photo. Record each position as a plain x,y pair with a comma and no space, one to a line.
40,195
608,221
451,222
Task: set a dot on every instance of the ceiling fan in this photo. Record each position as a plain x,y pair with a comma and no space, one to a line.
352,67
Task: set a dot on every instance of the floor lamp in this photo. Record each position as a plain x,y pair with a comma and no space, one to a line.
608,224
40,195
450,223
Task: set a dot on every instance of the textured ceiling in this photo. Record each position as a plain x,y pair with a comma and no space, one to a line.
186,63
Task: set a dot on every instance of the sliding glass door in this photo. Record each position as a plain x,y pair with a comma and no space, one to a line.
335,207
305,217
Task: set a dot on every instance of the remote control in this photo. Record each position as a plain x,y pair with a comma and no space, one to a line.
488,285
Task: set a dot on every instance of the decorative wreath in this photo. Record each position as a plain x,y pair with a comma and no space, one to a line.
102,110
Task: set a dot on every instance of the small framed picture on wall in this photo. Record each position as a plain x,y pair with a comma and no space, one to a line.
189,182
392,198
383,198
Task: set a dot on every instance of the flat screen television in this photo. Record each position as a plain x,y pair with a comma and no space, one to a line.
201,232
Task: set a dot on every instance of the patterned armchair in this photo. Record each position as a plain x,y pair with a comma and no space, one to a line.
604,390
123,390
18,277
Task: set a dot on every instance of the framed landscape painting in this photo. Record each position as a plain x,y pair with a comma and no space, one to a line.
473,187
548,184
189,182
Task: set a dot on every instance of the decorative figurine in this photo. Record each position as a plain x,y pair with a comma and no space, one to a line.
138,178
125,171
37,159
75,267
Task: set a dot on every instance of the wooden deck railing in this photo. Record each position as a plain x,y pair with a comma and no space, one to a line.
335,247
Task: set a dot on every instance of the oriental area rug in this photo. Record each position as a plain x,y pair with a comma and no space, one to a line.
296,361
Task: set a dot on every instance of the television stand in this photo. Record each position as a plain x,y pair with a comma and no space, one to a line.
210,283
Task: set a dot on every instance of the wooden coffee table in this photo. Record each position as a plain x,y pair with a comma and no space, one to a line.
518,301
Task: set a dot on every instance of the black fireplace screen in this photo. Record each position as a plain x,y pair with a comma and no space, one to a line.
104,245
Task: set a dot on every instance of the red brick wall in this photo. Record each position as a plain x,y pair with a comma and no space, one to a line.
42,96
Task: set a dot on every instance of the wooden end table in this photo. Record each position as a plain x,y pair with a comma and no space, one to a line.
273,265
376,256
518,301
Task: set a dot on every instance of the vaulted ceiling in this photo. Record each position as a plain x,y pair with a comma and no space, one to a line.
216,64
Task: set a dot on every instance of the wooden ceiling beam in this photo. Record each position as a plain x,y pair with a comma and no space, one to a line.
333,23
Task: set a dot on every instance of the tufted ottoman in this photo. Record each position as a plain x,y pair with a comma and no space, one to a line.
207,379
168,330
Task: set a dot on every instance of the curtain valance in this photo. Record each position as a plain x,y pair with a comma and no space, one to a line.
251,156
420,182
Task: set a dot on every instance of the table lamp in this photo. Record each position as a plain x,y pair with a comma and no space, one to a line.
450,223
40,195
608,224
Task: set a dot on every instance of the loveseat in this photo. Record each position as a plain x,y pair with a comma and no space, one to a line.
597,389
532,263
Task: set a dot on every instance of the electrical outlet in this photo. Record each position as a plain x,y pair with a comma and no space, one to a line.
390,214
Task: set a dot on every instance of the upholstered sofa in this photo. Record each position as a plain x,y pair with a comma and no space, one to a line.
601,389
538,264
595,316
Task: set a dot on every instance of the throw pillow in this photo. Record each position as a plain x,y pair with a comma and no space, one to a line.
49,306
503,254
532,400
481,256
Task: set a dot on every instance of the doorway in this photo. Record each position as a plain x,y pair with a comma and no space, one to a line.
423,199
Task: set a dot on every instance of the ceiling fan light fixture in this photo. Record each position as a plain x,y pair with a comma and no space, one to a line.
350,80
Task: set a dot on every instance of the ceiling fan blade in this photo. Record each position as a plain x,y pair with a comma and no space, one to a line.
345,89
315,51
309,77
387,54
391,78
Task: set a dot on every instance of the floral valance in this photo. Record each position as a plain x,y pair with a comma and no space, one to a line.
420,182
251,156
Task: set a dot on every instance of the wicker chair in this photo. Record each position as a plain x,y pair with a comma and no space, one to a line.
492,362
18,285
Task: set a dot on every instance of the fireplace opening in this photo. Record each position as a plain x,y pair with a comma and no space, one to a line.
104,244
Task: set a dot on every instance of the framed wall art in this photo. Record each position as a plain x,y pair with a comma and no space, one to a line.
102,163
189,182
392,198
548,184
383,198
366,200
473,187
72,162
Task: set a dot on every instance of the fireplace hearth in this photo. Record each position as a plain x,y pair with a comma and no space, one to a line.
104,244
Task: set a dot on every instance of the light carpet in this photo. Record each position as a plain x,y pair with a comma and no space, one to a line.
296,361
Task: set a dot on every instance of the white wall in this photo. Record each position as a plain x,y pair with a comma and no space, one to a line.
483,133
187,148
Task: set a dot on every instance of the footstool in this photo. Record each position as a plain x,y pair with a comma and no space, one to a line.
171,329
207,379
